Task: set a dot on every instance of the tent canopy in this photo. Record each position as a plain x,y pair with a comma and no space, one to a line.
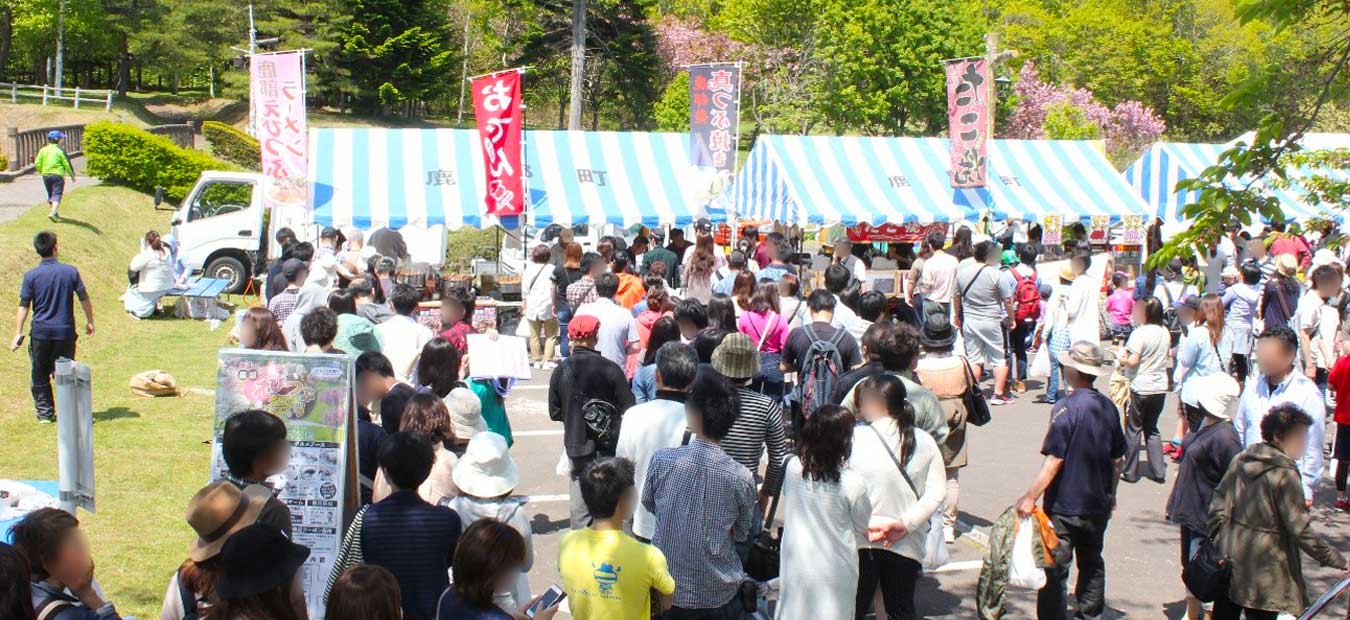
875,180
1155,174
396,177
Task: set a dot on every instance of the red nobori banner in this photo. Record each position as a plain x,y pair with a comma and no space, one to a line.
968,118
912,232
277,86
496,104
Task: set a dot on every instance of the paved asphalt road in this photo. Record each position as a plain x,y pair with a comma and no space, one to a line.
27,191
1142,553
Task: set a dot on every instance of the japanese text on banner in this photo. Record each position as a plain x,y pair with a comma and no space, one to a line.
714,115
278,90
968,120
496,104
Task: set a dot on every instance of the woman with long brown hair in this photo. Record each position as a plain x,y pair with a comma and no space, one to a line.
763,323
152,269
427,415
258,330
257,576
742,288
1206,349
699,270
563,277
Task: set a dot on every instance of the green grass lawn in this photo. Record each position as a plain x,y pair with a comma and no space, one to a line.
149,455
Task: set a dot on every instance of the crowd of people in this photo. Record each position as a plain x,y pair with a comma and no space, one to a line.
713,408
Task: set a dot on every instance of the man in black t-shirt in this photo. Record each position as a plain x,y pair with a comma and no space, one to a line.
821,304
1084,453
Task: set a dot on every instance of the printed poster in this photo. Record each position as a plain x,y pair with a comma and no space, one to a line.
1052,233
1100,231
277,87
1132,229
968,121
313,394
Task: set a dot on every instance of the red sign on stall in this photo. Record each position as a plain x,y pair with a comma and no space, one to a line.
496,103
912,232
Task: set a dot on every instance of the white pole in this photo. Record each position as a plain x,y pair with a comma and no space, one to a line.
252,49
77,97
464,69
67,434
107,105
44,94
60,43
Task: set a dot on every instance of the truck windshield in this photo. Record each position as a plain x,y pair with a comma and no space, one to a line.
219,198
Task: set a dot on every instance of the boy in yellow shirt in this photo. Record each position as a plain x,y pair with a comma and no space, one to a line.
607,574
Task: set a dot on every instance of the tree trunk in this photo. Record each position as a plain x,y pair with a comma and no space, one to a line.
6,35
578,63
124,67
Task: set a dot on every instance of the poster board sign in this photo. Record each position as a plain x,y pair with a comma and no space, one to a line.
1100,231
500,357
1053,231
912,232
313,395
1132,230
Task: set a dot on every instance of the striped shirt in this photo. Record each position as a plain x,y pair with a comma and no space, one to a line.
758,426
704,503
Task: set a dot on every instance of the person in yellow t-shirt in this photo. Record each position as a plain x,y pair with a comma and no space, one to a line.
607,574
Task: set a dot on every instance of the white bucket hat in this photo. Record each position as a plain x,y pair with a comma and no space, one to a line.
486,469
1216,394
466,413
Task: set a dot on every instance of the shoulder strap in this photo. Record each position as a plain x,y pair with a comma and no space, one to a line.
895,459
973,280
533,280
51,607
838,337
764,330
187,597
1279,296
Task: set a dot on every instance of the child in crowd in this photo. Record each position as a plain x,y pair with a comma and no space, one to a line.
1339,382
61,566
457,306
255,448
1119,305
486,478
611,497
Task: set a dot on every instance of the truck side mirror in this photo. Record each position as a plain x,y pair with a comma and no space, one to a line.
159,199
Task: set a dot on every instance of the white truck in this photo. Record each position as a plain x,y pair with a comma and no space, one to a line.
223,229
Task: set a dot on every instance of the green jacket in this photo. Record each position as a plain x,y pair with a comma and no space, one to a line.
992,586
52,160
1259,515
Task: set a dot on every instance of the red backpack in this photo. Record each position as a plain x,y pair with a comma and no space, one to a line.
1026,297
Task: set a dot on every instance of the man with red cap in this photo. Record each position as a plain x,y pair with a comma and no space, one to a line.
588,394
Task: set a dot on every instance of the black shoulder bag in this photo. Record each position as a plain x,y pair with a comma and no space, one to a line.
1208,573
765,557
977,408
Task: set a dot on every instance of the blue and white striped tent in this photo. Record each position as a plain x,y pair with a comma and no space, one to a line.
852,180
424,177
1155,174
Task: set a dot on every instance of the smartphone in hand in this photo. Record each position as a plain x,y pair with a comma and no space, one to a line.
549,599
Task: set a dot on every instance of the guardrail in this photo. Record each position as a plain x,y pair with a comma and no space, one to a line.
22,146
181,134
50,94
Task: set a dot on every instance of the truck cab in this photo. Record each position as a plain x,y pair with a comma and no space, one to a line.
222,227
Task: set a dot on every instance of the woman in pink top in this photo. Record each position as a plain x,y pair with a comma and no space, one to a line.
769,331
1119,305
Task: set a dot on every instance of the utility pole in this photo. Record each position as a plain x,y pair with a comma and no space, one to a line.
578,63
252,49
464,69
60,43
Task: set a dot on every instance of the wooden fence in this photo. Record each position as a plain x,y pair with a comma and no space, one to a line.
50,95
22,146
181,134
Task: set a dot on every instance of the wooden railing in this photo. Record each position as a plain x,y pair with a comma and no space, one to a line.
22,146
50,95
181,134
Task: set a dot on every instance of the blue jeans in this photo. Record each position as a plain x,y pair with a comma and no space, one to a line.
1058,343
564,317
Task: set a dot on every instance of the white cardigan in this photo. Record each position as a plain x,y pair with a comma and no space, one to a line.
890,495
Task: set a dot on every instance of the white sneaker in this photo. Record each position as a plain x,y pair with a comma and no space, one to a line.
949,534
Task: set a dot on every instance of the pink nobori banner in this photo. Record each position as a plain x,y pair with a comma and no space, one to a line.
277,84
968,119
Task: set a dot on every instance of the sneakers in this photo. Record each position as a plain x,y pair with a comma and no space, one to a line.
1343,504
53,215
1002,400
46,420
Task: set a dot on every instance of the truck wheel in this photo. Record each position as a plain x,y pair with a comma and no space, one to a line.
228,268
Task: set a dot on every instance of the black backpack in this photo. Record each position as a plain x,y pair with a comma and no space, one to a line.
820,369
602,420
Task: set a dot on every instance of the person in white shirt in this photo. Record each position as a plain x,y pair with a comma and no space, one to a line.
1172,289
618,337
843,255
1084,303
657,423
837,279
323,269
906,484
402,336
937,281
154,277
538,294
1318,323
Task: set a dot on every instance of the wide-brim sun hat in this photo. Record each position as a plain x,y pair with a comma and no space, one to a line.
466,413
486,469
736,358
1216,394
1287,265
938,332
1086,357
257,559
219,510
1066,272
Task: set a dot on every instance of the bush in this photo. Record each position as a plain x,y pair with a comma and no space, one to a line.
135,158
4,162
232,145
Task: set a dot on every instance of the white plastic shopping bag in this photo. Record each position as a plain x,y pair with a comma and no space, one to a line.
1040,364
935,545
1022,569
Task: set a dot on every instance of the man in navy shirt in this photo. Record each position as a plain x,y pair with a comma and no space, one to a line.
48,294
1084,454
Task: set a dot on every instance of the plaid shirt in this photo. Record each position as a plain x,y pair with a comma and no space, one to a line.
581,292
283,303
704,503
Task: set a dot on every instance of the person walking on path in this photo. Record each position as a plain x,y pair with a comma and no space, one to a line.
48,293
1206,455
54,166
948,375
1084,452
982,309
825,515
1280,382
1260,522
1144,362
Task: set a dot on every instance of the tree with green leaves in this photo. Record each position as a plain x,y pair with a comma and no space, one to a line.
880,62
397,53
